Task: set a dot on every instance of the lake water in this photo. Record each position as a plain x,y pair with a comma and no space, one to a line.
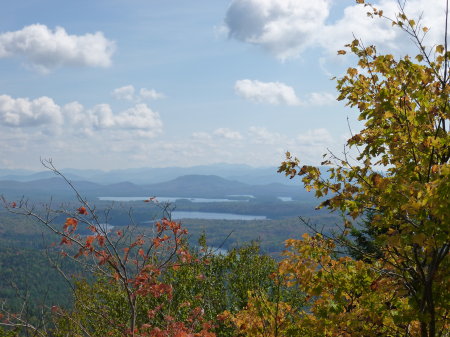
167,199
176,215
285,198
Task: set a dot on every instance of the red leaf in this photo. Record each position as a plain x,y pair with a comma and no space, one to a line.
71,222
89,241
65,241
82,210
101,240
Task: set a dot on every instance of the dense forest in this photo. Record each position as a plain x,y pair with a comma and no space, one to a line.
379,266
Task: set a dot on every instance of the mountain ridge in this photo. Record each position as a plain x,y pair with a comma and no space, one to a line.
188,186
146,175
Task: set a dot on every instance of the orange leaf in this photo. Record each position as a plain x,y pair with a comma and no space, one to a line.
89,241
82,210
101,240
71,222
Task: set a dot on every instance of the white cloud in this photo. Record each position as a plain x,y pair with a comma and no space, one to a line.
284,27
138,117
150,94
45,50
266,92
23,112
279,93
201,136
380,32
287,27
320,99
227,134
315,137
73,118
261,135
101,117
127,93
260,146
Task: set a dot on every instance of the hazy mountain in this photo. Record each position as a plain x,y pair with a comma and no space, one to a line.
55,186
39,176
144,176
201,186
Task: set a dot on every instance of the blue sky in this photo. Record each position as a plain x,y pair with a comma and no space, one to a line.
117,84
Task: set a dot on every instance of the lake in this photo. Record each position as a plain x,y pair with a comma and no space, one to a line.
285,199
177,215
167,199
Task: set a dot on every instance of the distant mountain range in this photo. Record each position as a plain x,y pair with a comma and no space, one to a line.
188,186
139,176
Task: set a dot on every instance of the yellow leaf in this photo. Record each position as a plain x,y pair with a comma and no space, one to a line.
352,71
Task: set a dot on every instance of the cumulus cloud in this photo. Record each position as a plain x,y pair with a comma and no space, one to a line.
150,94
266,92
45,49
102,117
23,112
127,93
44,114
138,117
227,134
287,27
279,93
284,27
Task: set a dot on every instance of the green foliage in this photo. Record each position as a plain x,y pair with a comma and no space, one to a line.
8,333
27,275
222,283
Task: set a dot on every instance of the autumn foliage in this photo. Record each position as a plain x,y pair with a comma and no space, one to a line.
383,272
131,266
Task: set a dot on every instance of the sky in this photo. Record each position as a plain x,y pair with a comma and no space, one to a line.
111,84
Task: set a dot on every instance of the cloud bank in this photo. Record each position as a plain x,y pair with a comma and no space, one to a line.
227,134
23,112
74,118
257,145
44,49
